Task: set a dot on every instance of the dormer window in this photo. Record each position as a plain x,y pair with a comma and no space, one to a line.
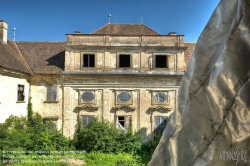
88,60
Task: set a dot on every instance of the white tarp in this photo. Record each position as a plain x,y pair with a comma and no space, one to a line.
212,124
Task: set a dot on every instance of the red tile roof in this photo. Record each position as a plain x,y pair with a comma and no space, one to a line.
188,52
11,58
43,57
125,29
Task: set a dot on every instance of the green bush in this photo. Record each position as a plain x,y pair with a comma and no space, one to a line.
30,133
104,137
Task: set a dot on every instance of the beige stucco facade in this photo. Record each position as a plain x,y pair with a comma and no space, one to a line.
128,80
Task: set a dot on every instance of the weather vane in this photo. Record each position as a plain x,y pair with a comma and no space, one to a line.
109,17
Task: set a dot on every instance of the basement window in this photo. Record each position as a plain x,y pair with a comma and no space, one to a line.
124,60
160,123
86,120
88,60
161,61
52,93
20,93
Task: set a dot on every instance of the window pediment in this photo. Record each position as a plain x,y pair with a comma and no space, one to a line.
124,107
87,107
160,108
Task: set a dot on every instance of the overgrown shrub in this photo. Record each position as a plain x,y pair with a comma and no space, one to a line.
30,133
104,137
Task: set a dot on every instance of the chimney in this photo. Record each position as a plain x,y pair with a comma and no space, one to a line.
3,31
172,33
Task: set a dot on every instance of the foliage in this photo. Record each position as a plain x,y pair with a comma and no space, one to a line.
103,159
30,134
104,137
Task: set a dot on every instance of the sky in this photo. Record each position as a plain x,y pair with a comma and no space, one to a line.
50,20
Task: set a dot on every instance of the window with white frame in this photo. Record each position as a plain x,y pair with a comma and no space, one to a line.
86,120
160,123
88,60
20,92
52,93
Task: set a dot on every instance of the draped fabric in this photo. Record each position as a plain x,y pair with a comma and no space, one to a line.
211,126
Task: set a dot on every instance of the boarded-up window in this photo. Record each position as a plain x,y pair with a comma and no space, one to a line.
52,93
88,60
86,120
20,93
160,123
161,61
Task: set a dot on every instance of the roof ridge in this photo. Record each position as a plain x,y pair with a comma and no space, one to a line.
23,59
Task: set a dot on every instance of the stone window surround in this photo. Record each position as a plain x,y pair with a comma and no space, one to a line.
161,54
82,59
118,60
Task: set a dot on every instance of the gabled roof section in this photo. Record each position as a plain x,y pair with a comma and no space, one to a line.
188,52
43,57
11,58
125,29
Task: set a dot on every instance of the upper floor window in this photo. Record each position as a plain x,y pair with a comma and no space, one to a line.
51,93
124,60
20,93
161,61
88,60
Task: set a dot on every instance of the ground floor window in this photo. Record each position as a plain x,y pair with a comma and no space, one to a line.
52,123
86,120
160,123
123,122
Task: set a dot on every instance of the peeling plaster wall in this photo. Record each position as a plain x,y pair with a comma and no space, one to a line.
142,50
38,91
107,106
8,97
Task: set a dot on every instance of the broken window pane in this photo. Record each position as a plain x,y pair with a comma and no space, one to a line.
20,93
124,60
161,61
160,123
87,119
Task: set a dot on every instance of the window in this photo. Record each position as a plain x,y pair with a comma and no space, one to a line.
51,124
20,93
52,93
86,120
160,123
123,122
88,60
124,60
161,61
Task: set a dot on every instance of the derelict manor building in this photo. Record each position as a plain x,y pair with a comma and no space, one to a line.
127,74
